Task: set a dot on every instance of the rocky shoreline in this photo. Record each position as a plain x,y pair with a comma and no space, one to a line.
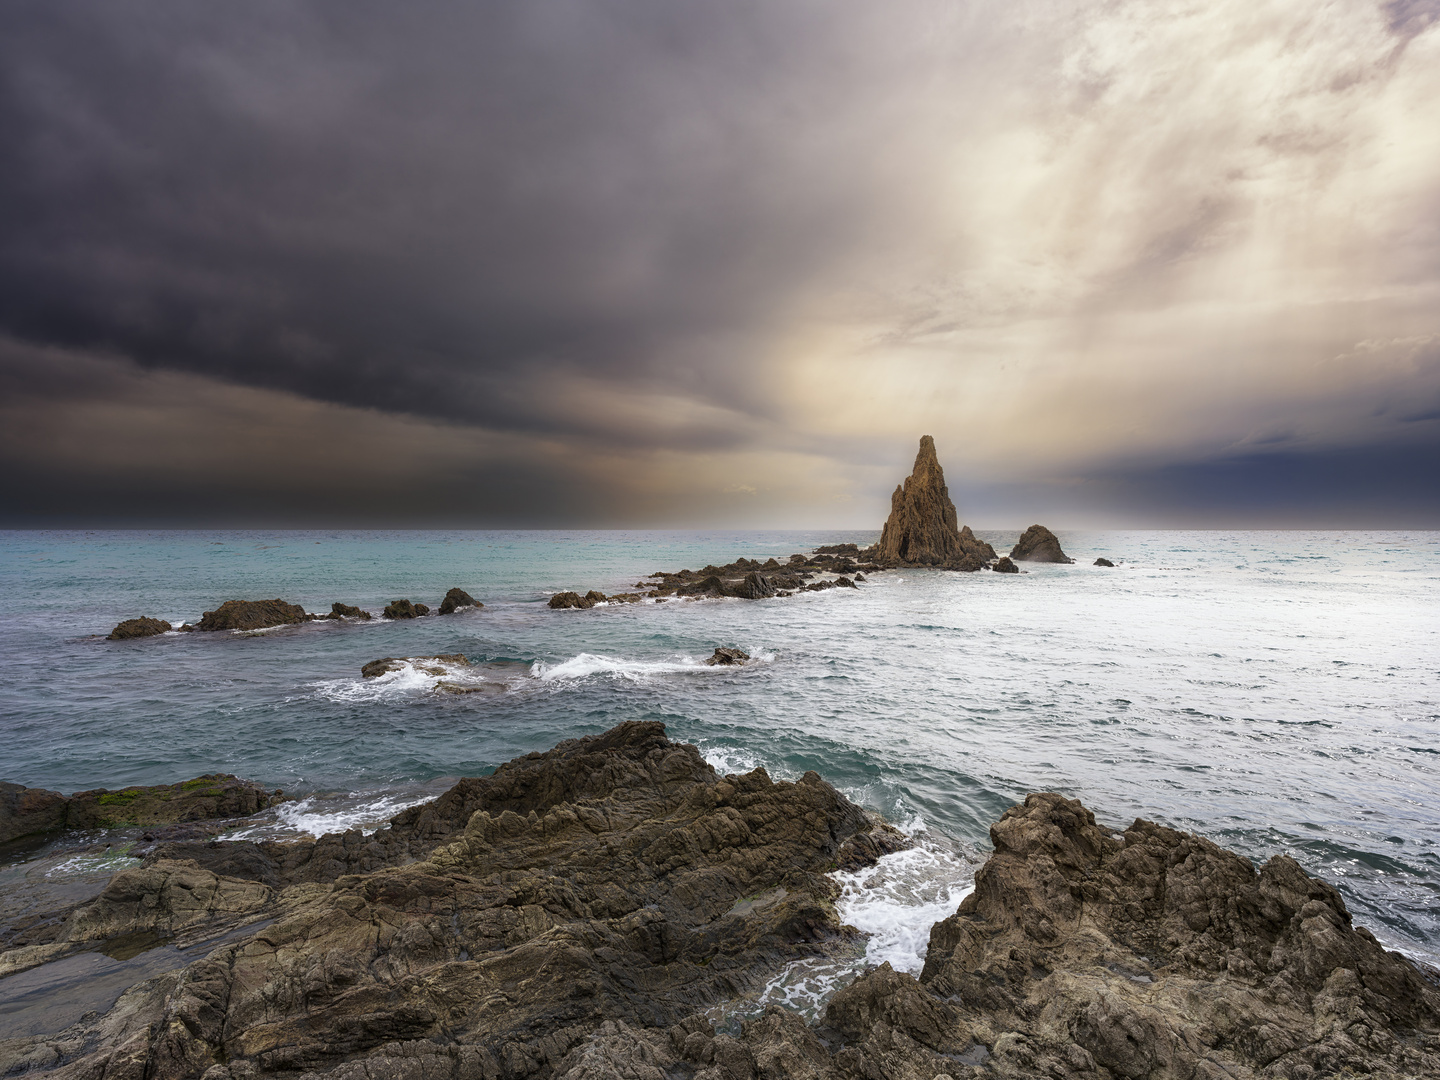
577,913
253,615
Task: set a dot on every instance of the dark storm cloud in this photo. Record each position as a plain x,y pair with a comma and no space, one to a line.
429,209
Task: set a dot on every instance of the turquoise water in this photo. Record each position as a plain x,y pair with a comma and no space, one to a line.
1274,691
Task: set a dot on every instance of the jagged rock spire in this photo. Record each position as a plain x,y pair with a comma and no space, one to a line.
923,529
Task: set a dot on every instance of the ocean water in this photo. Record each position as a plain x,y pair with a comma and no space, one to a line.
1274,691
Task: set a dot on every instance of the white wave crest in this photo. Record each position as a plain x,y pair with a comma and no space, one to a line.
317,815
415,675
585,665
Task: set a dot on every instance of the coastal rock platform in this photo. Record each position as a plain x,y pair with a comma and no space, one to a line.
578,913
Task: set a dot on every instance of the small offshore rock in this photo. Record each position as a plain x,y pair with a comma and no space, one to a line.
1103,562
456,599
843,582
252,615
756,586
376,668
141,627
1038,544
838,549
404,609
1005,566
595,596
345,611
727,657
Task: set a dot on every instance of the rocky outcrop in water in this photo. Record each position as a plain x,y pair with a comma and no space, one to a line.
727,657
404,609
922,529
430,665
1005,566
613,885
456,599
137,628
251,615
1038,544
346,611
25,811
1104,562
572,917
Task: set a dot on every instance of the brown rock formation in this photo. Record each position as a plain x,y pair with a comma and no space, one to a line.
1005,566
922,529
1038,544
27,810
456,599
404,609
728,657
252,615
346,611
141,627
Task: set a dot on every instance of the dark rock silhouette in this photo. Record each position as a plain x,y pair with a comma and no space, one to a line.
1038,544
1005,566
1103,562
404,609
141,627
27,810
346,611
456,599
756,586
728,657
252,615
922,529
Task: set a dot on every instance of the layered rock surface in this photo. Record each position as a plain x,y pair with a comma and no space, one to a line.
573,916
923,529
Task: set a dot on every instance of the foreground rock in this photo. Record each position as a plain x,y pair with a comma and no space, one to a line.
1005,566
26,811
1039,544
251,615
573,915
572,909
922,529
137,628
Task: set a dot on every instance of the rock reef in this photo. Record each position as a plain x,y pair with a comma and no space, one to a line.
574,916
1038,544
141,627
250,615
25,811
923,528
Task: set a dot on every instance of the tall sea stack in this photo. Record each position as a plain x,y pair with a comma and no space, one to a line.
922,529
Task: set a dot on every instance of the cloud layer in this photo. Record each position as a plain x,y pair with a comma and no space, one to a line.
673,263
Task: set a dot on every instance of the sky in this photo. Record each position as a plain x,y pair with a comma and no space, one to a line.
661,263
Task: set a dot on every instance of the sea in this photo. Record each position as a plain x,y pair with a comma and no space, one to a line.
1276,692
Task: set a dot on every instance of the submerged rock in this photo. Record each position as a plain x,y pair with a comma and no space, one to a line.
728,657
136,628
404,609
1005,566
345,611
456,599
431,665
1103,562
922,529
1038,544
252,615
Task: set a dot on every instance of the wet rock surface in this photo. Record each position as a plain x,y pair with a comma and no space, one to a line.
346,611
574,915
252,615
923,529
431,665
1039,544
456,599
561,917
138,628
1102,561
1005,566
26,811
727,657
